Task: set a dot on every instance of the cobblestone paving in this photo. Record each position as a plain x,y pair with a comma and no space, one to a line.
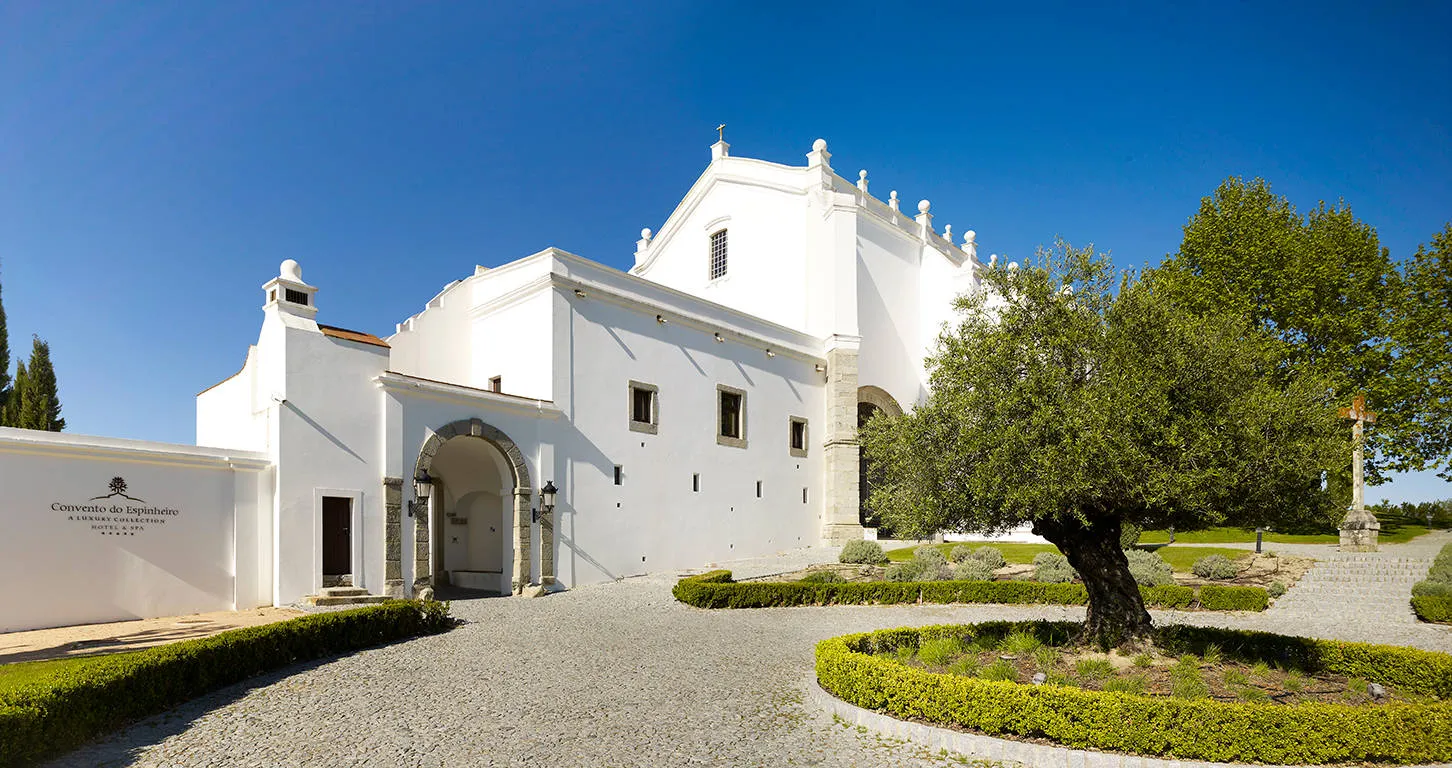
609,675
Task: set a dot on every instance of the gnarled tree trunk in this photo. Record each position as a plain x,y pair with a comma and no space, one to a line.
1116,611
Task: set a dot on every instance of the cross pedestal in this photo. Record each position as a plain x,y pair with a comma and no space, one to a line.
1360,528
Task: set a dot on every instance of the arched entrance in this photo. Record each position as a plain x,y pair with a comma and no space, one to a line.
871,401
478,525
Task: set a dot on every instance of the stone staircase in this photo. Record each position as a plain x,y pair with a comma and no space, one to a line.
344,596
1355,587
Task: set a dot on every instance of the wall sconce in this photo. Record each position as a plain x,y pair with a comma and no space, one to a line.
719,339
579,293
661,319
821,368
423,487
546,500
770,353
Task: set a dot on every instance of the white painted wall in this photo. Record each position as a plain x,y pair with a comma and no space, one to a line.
654,521
66,566
228,415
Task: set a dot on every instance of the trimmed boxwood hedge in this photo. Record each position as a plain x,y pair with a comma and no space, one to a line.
79,703
715,589
1309,733
1438,609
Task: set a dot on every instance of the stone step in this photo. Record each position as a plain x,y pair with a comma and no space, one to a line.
350,600
343,592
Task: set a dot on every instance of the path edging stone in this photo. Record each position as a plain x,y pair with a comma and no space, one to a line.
979,746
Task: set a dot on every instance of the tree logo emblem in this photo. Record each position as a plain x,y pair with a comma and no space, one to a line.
117,486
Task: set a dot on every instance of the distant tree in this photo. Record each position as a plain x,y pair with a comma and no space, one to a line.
1065,403
4,367
1321,284
35,401
1418,410
13,413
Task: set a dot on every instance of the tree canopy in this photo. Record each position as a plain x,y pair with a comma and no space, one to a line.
1323,286
1075,398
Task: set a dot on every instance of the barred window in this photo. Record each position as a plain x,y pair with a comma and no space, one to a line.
718,254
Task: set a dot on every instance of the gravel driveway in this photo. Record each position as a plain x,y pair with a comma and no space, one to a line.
608,675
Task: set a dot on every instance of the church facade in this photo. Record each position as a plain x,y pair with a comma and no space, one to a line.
553,421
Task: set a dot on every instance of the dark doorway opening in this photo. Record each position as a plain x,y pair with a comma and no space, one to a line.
868,475
337,541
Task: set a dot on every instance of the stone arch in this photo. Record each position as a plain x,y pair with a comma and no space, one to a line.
523,495
869,400
877,396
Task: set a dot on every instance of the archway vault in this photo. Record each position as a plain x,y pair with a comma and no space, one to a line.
879,397
478,429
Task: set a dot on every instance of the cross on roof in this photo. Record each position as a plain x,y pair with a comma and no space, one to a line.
721,132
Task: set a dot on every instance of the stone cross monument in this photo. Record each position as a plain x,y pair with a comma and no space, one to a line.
1360,528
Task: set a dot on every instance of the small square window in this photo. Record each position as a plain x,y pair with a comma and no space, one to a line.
730,416
797,436
496,384
644,407
619,475
758,489
718,254
696,482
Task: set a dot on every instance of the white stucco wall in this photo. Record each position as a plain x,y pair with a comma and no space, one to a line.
186,542
654,520
329,441
228,415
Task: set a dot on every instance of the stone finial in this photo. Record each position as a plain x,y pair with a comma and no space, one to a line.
645,234
819,157
924,206
643,244
892,200
289,270
970,244
948,233
924,220
1013,266
993,260
862,181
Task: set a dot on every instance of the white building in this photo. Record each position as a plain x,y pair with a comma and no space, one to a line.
701,407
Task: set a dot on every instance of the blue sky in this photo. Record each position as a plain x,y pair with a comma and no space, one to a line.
157,160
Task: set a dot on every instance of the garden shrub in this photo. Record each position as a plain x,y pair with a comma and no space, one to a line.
1438,609
960,553
822,577
1193,728
1129,535
716,590
1432,589
929,554
863,552
973,569
911,570
1148,568
1275,589
1214,597
79,703
937,572
989,556
1217,567
1432,599
1053,568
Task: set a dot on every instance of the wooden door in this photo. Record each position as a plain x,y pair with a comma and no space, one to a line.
337,541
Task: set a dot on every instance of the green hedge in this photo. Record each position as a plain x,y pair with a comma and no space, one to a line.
716,590
1435,604
1438,609
1310,733
1214,597
81,702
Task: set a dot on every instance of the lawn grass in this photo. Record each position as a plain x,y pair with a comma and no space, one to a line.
1393,531
24,673
1179,558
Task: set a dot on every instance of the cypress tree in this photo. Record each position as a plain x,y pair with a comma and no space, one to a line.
5,388
41,404
14,414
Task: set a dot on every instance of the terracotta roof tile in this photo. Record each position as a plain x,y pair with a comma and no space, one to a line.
347,335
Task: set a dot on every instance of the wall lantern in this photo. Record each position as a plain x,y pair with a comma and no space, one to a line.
423,487
546,500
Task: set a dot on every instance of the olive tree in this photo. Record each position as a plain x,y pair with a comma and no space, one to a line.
1078,399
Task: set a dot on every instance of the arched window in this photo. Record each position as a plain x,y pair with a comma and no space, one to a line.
718,254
